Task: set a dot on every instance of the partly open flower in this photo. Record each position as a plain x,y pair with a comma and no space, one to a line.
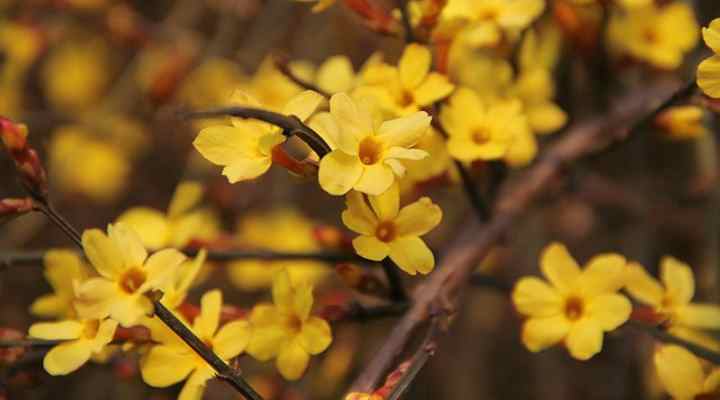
683,376
126,274
671,300
576,307
245,147
682,122
63,270
81,339
708,73
386,230
366,155
285,330
182,222
172,360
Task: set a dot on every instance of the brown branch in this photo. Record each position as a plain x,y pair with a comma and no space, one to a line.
474,242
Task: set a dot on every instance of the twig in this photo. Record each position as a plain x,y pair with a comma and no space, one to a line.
222,369
407,23
284,68
291,125
45,207
29,343
474,242
397,291
418,361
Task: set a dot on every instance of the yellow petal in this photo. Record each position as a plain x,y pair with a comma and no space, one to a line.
302,300
705,316
187,195
353,121
535,298
414,65
161,267
232,339
292,360
412,255
50,306
103,253
223,145
401,153
680,372
282,290
339,172
207,322
94,297
711,35
404,131
336,74
386,205
324,124
696,336
164,365
129,310
466,150
195,385
522,149
708,76
358,216
129,244
712,382
371,248
62,268
265,342
67,357
150,225
546,117
105,334
434,88
303,105
584,339
559,267
609,310
375,179
604,273
540,333
418,218
243,169
61,330
315,335
642,286
678,280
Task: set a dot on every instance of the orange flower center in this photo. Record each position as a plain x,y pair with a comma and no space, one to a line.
132,279
650,36
480,136
294,323
370,151
385,231
406,98
574,308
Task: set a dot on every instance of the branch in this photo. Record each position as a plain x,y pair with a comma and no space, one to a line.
290,125
474,242
407,23
282,65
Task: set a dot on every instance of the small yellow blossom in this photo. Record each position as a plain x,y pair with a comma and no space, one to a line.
576,307
683,376
366,155
280,230
126,274
409,87
363,396
285,330
82,339
487,132
172,360
659,35
436,164
63,270
175,291
386,230
270,86
210,83
320,5
245,148
708,73
682,122
672,300
182,223
336,74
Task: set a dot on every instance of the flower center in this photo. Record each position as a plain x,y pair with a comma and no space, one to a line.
406,98
650,36
132,279
370,151
385,231
488,14
90,329
294,323
574,308
480,136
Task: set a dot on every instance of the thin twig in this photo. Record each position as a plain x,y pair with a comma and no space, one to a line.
418,361
407,23
284,68
397,290
29,343
46,208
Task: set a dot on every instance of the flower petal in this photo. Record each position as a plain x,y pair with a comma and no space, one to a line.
336,74
412,255
371,248
61,330
609,310
708,76
711,35
584,339
414,65
404,131
165,365
223,145
150,225
435,87
535,298
678,280
339,172
129,244
387,204
50,306
540,333
232,339
265,342
292,360
94,297
324,124
358,216
375,179
353,120
195,385
67,357
161,267
207,322
418,218
604,273
559,267
103,253
706,316
642,286
244,169
187,195
303,105
283,291
680,372
315,335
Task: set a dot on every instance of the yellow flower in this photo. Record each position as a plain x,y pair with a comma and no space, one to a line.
334,75
409,87
487,132
672,299
281,230
175,290
181,224
436,164
172,361
245,147
386,230
682,374
63,270
208,84
285,330
576,307
366,155
682,122
126,274
708,74
320,5
490,19
536,89
270,87
658,35
82,163
83,338
362,396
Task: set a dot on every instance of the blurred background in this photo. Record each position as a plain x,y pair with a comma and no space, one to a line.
99,84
